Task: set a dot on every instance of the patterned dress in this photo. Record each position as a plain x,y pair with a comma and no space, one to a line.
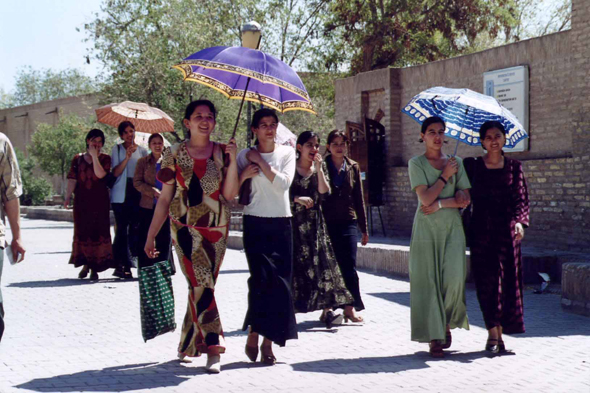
199,220
500,200
92,225
317,280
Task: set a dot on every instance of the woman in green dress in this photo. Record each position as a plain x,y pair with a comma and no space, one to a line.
437,249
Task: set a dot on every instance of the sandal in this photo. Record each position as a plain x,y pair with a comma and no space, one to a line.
331,319
353,318
436,349
492,345
448,340
266,355
251,352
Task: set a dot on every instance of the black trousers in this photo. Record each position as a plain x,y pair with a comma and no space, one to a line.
126,243
268,243
343,235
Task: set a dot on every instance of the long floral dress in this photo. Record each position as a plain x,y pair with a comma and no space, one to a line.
500,200
199,223
317,280
92,226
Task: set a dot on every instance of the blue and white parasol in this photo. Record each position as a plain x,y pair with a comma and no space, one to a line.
464,111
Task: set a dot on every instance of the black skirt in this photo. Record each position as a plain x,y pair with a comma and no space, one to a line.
268,243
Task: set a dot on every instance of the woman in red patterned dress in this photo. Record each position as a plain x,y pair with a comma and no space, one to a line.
199,177
91,247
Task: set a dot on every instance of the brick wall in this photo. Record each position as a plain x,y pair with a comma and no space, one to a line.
557,163
19,128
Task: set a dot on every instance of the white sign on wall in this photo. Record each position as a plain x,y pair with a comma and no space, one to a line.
510,86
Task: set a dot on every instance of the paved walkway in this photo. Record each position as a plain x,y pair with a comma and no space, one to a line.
67,335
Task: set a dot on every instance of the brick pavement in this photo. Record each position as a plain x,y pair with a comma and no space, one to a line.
69,335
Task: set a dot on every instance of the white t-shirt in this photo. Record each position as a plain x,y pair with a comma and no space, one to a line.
271,199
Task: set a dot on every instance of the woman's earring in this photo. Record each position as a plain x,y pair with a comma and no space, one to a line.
421,140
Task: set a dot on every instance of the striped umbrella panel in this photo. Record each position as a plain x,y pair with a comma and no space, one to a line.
464,111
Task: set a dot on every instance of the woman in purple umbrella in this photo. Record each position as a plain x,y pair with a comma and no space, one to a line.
199,178
268,238
500,214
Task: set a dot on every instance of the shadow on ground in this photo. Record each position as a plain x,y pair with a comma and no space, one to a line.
66,282
387,364
543,316
126,378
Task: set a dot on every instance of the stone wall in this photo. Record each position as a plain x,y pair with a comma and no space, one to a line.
557,163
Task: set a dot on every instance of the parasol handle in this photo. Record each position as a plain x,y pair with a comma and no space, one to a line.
233,135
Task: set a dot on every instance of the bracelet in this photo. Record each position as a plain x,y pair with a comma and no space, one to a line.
439,204
443,179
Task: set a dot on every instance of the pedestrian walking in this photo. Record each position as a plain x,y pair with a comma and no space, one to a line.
437,248
10,190
500,213
125,199
344,210
317,281
268,238
145,181
87,180
199,178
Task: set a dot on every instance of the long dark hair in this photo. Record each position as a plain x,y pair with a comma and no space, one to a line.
304,137
94,133
260,113
190,109
151,138
123,125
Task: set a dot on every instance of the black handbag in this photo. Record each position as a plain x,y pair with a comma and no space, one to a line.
466,214
244,194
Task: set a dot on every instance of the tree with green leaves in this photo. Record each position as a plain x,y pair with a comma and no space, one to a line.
139,40
35,188
54,147
397,33
32,86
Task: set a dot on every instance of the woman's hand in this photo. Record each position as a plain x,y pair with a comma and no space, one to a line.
433,208
250,171
93,151
150,248
462,199
364,239
317,162
130,150
451,168
254,156
231,149
67,202
518,231
307,202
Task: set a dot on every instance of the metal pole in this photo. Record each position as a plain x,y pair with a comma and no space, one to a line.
248,121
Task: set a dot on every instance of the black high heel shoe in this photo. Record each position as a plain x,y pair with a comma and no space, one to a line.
331,319
501,347
492,345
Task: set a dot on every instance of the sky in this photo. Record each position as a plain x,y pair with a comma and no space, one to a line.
42,34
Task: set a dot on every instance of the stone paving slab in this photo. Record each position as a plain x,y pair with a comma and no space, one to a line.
69,335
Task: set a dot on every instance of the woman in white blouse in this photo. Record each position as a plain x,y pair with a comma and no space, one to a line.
268,238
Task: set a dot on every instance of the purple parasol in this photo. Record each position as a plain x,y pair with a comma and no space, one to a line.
248,74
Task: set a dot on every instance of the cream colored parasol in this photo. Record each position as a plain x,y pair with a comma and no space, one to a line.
144,117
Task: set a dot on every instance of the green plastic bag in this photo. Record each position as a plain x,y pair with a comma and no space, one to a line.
157,300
